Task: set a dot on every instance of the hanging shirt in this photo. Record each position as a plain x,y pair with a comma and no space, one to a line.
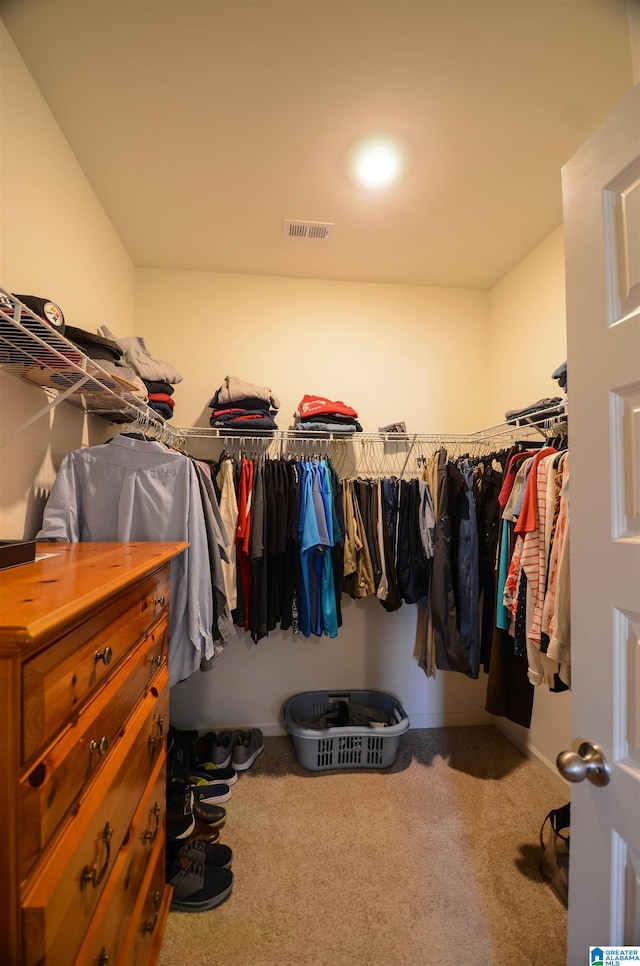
229,513
243,538
128,490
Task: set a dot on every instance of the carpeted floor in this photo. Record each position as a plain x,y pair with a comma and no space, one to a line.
434,860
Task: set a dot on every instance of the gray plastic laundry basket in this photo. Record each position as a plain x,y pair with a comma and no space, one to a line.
344,747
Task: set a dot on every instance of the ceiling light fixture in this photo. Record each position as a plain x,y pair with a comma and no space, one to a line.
377,162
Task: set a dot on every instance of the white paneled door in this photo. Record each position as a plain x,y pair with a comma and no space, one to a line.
601,190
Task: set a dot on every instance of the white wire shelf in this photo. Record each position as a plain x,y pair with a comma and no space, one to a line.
545,423
378,454
34,352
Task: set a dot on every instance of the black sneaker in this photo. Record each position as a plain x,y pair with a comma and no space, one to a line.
213,773
179,748
180,800
218,856
211,793
181,821
202,749
197,887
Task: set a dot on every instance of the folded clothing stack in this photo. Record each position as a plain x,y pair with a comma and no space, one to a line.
537,412
108,355
319,414
151,371
243,406
160,394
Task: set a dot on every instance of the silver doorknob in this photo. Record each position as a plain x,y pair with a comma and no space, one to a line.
587,762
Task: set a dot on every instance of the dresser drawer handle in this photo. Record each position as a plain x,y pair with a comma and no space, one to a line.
152,741
99,746
104,656
150,924
150,834
159,600
90,874
103,958
157,659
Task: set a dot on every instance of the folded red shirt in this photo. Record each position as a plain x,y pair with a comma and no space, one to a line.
316,405
162,397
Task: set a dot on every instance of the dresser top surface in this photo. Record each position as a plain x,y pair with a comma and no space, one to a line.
67,580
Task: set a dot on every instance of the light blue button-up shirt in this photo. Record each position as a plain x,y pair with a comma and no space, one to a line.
128,490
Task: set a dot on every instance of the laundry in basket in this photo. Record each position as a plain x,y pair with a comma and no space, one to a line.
345,729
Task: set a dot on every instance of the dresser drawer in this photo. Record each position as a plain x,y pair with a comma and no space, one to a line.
144,938
143,849
50,787
57,682
63,893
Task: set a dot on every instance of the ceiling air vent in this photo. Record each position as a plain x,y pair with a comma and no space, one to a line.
307,229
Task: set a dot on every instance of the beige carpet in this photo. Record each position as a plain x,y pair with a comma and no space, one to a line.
433,860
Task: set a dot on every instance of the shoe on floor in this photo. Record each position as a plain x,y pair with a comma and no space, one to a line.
211,793
180,800
222,750
204,833
179,749
214,773
217,855
180,826
246,748
180,817
212,815
198,887
202,748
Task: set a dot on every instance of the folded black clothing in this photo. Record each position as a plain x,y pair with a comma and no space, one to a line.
329,417
245,425
538,411
94,346
154,385
162,408
248,402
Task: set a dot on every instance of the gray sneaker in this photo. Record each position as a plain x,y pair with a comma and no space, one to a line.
222,750
246,748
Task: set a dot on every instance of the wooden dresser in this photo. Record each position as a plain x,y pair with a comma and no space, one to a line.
84,713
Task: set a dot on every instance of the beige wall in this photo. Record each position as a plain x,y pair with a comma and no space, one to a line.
528,338
633,7
390,351
56,242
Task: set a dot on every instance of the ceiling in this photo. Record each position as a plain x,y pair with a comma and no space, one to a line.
202,125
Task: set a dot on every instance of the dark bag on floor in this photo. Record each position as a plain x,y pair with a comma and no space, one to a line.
554,839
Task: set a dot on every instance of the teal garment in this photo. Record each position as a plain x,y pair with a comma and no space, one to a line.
503,617
327,499
318,609
329,608
304,536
